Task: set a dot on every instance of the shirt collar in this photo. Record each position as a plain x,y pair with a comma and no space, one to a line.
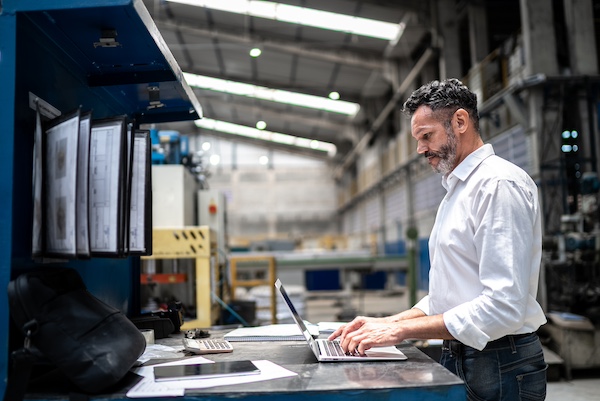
469,164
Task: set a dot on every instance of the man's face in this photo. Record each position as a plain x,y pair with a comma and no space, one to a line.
434,141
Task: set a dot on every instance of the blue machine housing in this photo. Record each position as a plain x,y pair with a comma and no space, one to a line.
169,147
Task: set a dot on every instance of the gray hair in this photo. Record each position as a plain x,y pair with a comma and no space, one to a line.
444,98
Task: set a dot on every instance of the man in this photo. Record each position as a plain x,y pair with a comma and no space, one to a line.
485,250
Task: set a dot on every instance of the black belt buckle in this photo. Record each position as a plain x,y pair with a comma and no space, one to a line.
452,346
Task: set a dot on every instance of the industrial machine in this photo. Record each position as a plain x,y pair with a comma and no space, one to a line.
573,257
189,227
170,147
212,212
572,278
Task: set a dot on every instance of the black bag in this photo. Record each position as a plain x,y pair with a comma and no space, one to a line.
91,343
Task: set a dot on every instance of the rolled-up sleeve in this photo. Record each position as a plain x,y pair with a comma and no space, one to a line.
423,305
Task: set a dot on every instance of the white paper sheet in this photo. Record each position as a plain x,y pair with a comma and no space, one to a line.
147,387
137,211
36,238
61,186
272,332
104,186
329,327
83,174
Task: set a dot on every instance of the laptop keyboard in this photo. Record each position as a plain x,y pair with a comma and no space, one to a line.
333,348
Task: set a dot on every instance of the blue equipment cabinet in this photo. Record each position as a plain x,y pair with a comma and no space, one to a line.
103,55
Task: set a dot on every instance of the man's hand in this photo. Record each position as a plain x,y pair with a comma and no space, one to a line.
353,325
366,332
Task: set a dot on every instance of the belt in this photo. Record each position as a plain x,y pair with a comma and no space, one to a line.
456,347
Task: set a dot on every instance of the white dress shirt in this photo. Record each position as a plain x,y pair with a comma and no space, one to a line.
485,250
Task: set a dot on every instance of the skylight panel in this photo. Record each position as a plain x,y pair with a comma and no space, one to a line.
303,16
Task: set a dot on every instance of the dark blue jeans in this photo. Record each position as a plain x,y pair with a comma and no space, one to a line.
508,369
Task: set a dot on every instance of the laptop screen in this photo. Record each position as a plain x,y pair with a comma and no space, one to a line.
295,315
373,354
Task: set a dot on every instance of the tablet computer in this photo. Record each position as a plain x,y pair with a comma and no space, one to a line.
205,370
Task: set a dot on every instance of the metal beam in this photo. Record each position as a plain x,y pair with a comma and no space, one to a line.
517,109
409,5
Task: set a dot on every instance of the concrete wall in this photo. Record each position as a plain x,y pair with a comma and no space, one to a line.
290,197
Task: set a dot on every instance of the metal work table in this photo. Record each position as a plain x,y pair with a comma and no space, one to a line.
417,378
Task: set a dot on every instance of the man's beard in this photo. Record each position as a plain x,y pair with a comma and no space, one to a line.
446,154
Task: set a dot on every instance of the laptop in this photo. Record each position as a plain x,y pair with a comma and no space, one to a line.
331,351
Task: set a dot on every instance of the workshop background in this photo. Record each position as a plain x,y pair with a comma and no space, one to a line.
290,156
303,148
278,149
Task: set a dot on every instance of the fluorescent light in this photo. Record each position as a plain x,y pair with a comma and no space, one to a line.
277,137
303,16
274,95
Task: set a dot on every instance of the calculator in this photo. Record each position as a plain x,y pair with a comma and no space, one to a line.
206,346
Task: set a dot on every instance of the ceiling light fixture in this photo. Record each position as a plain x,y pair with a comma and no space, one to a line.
303,16
214,159
255,52
261,125
334,96
277,137
274,95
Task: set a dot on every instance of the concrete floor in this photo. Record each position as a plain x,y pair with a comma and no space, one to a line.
320,306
